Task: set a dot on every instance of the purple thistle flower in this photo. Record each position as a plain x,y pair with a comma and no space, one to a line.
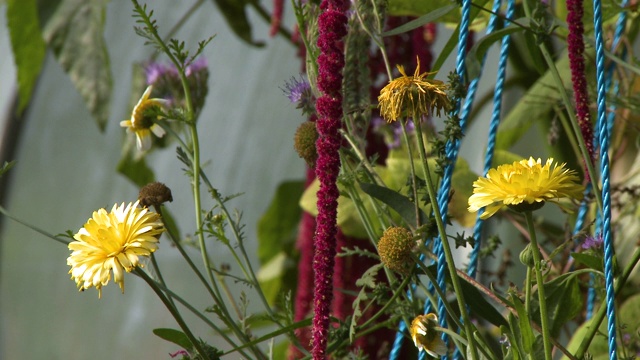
332,27
592,242
295,89
575,44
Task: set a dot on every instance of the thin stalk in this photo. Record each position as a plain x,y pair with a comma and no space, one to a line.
445,244
174,312
186,257
4,212
544,320
414,185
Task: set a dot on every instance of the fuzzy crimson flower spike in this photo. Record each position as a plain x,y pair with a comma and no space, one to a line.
575,44
332,27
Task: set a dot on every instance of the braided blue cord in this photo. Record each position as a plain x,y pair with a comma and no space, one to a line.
619,31
604,169
451,154
493,131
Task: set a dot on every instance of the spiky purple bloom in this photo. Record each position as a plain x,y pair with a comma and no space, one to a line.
575,44
592,242
332,27
298,91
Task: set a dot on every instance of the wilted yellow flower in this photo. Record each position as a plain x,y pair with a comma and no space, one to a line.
524,185
113,241
142,124
412,96
425,336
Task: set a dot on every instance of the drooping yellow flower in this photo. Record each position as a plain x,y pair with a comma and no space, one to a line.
425,336
524,185
141,123
412,96
115,242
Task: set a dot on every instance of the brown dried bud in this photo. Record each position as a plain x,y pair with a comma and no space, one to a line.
154,194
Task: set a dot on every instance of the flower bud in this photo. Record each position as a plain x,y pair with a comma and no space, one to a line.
154,194
305,142
395,247
526,256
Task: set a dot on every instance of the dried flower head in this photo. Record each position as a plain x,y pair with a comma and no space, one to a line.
113,241
412,96
142,123
425,336
524,186
395,248
154,194
305,142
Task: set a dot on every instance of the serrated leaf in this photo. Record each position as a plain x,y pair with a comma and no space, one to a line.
27,44
75,34
175,336
367,280
234,13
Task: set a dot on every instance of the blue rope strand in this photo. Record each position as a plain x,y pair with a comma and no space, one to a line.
451,154
493,132
619,31
604,169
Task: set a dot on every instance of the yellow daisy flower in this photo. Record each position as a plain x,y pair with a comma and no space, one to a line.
425,337
141,124
115,242
524,185
412,96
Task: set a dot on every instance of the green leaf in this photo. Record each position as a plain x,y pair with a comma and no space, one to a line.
234,13
366,281
589,260
564,301
536,105
6,167
523,327
135,168
74,33
27,44
277,229
477,52
175,336
424,19
479,305
278,225
398,202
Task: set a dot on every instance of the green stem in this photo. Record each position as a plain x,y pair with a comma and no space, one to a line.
544,320
414,185
4,212
174,312
445,244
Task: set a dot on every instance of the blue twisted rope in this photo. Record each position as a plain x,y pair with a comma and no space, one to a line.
604,169
452,148
619,31
493,132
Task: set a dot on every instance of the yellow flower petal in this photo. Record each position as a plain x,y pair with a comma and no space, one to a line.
113,242
525,182
143,125
412,96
